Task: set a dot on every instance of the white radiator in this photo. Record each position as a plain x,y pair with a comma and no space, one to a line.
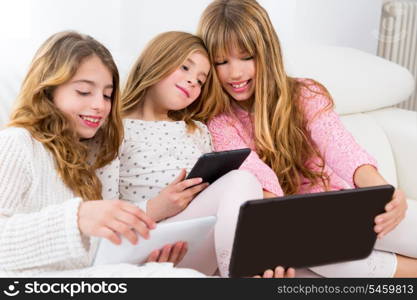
398,39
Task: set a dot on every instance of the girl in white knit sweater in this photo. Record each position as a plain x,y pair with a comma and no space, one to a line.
48,192
162,141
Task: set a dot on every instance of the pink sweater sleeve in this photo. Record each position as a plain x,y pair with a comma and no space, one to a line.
337,145
225,136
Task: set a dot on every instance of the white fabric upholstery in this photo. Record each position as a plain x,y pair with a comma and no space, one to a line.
371,136
14,61
358,81
400,127
10,80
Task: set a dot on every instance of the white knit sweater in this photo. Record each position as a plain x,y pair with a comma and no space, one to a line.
39,234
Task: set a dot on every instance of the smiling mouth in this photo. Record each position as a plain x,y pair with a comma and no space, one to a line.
183,90
95,120
240,85
90,121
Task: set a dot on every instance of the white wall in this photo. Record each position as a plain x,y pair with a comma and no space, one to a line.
30,22
142,20
350,23
125,26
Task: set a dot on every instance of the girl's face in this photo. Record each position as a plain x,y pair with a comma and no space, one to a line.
183,86
236,73
86,98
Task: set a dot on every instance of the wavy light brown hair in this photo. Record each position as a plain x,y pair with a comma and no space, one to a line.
55,63
280,129
162,56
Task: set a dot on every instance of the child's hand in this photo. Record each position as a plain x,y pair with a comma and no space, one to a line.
395,212
279,272
169,253
175,197
111,218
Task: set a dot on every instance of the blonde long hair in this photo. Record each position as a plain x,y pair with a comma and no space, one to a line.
281,138
55,63
163,54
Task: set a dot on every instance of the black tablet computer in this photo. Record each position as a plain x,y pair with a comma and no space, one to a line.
212,166
306,230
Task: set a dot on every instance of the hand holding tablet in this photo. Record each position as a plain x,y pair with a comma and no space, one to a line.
178,194
192,231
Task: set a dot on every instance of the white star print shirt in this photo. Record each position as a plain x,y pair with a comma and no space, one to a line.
151,156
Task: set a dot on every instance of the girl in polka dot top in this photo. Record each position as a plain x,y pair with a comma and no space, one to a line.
162,142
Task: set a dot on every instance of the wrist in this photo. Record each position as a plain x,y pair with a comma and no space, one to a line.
152,211
268,194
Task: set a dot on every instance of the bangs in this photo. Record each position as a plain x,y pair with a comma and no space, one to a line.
231,36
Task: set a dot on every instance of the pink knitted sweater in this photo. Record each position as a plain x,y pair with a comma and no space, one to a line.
341,153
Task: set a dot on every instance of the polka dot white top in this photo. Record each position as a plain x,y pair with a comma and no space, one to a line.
151,156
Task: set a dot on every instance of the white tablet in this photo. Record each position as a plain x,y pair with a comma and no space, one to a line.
192,231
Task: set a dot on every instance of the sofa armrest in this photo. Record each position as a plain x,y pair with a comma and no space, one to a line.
400,127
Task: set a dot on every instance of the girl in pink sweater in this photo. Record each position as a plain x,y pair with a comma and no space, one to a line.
299,144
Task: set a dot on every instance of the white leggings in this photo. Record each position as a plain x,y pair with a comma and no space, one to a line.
222,199
382,262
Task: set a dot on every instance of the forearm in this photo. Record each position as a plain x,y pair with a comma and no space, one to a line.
368,175
153,210
268,194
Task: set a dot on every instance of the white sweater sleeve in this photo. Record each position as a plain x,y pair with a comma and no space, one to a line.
35,239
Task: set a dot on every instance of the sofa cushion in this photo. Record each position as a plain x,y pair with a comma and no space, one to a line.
400,126
371,137
358,81
14,63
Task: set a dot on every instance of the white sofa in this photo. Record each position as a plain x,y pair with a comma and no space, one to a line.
364,88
